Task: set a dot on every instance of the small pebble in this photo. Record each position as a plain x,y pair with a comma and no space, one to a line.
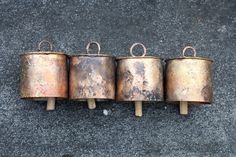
105,112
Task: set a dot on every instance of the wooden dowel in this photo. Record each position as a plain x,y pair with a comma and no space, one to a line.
183,107
138,109
51,104
91,104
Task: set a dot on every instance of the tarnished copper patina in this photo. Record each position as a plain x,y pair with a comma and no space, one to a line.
189,80
44,76
139,78
92,76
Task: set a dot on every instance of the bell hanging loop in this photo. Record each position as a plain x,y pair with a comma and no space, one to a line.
93,42
137,44
45,41
191,48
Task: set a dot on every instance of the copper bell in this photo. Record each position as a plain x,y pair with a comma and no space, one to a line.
189,80
92,77
139,78
44,76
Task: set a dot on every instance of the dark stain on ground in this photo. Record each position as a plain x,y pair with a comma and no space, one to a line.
67,155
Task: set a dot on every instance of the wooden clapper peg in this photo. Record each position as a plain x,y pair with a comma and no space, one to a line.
51,104
91,104
183,107
138,108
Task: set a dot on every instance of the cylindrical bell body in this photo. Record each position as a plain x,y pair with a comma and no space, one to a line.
92,76
139,79
43,75
189,79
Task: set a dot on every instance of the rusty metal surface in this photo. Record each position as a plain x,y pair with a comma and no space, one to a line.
139,78
189,79
92,76
43,75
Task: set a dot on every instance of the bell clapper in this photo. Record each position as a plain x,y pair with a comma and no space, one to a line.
138,109
183,107
50,104
91,104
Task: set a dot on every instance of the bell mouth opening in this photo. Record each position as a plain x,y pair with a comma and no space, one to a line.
189,102
96,99
146,101
43,98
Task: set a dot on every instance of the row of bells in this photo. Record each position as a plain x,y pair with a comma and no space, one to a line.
44,76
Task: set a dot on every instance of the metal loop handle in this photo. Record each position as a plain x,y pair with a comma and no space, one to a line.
44,41
93,42
136,44
189,47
